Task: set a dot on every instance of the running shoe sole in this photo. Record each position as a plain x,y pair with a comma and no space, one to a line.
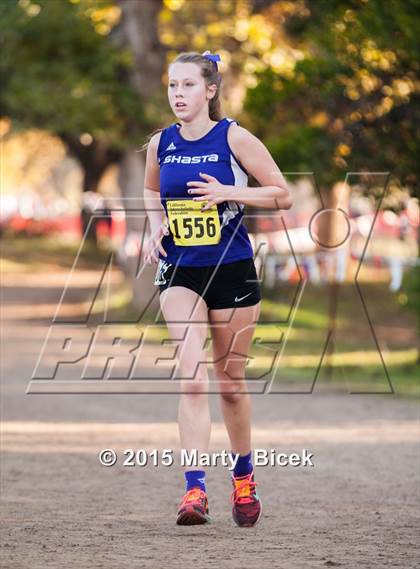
191,516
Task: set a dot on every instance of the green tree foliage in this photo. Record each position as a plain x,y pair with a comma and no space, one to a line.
351,101
62,72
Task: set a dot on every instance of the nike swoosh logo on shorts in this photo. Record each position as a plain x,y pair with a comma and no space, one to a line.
242,297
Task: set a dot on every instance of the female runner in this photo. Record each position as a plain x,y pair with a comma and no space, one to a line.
206,274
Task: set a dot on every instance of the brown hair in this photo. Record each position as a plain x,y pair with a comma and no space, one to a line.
211,76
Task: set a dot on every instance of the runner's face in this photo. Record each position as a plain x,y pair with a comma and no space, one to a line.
186,85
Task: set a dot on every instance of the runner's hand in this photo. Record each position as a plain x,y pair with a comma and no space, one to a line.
153,244
211,190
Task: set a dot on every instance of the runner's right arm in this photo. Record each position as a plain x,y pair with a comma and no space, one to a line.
152,185
154,209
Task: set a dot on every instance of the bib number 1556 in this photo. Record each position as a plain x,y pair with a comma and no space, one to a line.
191,226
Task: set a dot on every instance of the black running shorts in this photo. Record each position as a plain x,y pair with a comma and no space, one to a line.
222,286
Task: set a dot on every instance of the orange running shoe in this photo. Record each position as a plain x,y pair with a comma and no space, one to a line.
247,508
194,508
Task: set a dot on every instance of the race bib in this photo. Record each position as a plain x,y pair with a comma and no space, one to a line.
191,226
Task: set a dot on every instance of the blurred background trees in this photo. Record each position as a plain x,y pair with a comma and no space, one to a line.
329,86
350,102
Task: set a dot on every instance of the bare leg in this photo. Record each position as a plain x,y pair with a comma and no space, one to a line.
232,331
186,316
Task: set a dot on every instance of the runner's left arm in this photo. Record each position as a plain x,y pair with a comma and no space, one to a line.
258,162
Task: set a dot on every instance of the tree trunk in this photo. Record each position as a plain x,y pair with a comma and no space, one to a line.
138,31
94,159
330,234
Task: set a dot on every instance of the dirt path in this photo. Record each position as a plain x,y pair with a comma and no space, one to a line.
357,507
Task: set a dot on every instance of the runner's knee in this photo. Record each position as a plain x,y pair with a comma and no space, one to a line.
232,391
194,383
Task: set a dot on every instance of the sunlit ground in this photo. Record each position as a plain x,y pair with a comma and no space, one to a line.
67,437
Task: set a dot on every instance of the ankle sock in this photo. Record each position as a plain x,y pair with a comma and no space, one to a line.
244,465
195,478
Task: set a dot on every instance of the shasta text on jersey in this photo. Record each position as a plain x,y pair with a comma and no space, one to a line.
191,159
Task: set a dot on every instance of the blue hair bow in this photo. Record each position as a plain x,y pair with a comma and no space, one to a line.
214,57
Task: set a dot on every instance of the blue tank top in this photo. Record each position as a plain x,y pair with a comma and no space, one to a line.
181,161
